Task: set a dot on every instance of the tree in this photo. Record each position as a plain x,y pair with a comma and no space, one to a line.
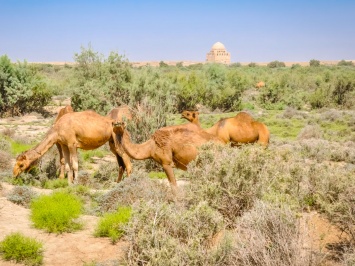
314,63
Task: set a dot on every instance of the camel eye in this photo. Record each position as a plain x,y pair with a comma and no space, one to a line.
21,165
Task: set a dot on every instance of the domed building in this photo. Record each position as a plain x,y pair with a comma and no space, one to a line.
218,54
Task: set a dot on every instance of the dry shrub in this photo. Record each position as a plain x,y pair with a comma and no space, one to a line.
228,179
163,234
331,115
106,172
5,161
310,132
134,188
323,150
290,113
5,145
21,195
268,235
9,132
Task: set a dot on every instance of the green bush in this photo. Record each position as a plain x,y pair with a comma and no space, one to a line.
112,224
275,64
56,213
21,249
55,183
21,88
314,63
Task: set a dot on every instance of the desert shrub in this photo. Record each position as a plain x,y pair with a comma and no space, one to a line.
291,112
112,224
314,63
164,234
345,63
21,88
5,161
268,235
323,150
331,115
228,179
100,83
21,249
21,195
56,213
106,172
4,144
8,132
275,64
309,132
134,188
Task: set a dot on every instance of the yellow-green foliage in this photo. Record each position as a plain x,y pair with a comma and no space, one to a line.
21,249
111,224
55,183
56,213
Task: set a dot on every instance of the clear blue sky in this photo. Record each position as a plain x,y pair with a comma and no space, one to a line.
252,31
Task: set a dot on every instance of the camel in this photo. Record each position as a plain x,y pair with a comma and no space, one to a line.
120,113
260,84
239,129
173,146
86,130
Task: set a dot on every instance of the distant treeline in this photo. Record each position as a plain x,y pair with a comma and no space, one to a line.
100,83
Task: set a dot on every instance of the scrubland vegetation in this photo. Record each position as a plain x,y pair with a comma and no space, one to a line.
238,206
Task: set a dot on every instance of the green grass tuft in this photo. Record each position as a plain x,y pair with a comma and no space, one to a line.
55,183
56,213
111,224
21,249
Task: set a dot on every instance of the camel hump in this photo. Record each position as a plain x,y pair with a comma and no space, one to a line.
244,117
65,110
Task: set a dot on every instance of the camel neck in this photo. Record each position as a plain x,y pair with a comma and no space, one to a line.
136,151
49,140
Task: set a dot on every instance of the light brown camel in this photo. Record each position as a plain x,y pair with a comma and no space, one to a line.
260,84
173,146
121,113
65,110
239,129
86,130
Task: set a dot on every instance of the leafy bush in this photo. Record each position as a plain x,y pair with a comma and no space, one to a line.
314,63
56,213
112,224
163,234
21,88
345,63
227,179
21,195
275,64
22,249
55,183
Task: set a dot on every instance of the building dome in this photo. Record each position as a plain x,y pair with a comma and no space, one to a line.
218,46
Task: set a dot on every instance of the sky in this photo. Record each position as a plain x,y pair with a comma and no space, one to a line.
251,31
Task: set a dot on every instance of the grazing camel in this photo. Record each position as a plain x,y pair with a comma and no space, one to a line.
86,130
239,129
260,84
173,146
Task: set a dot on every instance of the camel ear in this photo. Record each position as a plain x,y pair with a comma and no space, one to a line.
22,157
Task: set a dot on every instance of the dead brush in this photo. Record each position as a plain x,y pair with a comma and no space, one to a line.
21,195
269,235
164,234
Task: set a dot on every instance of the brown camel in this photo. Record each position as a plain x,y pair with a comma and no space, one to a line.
239,129
120,113
173,146
86,130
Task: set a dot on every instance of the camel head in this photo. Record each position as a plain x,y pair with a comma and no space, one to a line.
189,115
23,163
119,127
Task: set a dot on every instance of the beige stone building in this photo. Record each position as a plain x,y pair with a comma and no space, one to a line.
218,54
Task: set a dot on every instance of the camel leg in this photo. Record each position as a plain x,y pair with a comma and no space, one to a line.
170,174
74,163
68,166
124,162
61,161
